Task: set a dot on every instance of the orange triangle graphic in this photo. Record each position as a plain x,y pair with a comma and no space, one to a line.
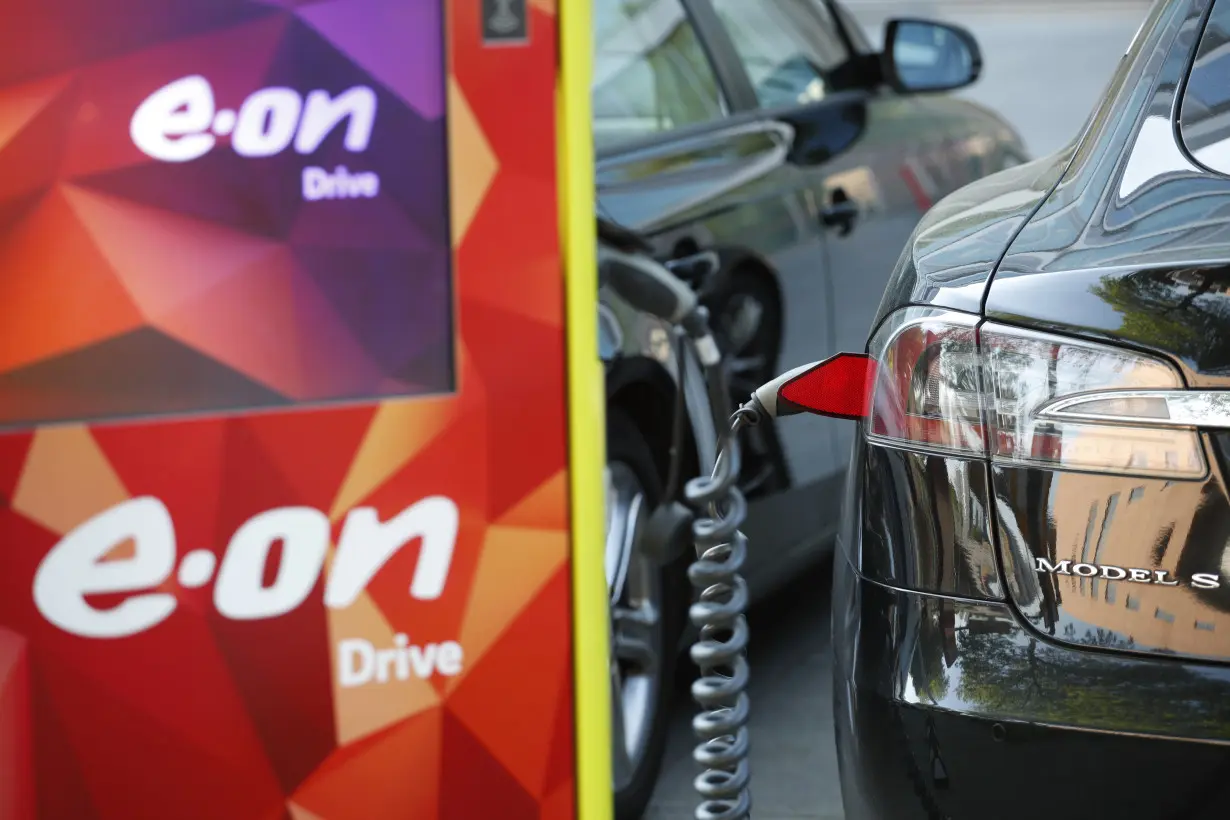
21,104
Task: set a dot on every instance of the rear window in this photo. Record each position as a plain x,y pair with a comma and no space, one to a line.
1204,114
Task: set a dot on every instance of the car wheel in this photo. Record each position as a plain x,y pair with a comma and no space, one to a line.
645,608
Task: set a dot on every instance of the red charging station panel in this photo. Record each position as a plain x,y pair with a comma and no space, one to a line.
283,485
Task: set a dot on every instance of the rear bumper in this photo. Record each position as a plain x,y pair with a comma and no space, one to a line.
948,708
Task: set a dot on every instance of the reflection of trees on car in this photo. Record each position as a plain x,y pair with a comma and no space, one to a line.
1018,674
932,660
1168,310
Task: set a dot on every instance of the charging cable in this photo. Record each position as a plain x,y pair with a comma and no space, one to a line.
721,600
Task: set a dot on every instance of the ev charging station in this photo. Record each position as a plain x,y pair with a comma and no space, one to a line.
301,413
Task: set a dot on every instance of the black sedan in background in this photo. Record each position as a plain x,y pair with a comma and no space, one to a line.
774,135
1032,594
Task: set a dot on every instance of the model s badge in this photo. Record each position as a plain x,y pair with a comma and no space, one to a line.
1161,577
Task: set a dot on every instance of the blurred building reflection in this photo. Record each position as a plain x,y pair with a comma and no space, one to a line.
1128,523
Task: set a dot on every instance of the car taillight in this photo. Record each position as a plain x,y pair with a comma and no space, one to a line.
1023,397
1030,374
927,390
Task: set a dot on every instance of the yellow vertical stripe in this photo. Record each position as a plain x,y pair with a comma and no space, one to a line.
586,413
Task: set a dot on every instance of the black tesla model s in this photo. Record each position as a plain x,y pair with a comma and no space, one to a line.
1032,589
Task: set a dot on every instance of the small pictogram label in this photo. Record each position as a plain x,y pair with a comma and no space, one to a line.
505,22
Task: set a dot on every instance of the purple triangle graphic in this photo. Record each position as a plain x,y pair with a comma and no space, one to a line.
399,42
289,4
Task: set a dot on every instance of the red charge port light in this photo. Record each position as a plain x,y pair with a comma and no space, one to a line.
839,386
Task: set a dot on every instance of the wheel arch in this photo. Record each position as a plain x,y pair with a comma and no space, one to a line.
737,262
643,390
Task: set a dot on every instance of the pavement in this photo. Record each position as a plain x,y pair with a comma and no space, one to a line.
794,762
1031,50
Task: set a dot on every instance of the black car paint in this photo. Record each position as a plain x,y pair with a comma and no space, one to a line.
952,709
808,202
969,700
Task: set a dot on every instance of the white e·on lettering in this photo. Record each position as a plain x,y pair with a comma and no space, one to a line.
74,569
180,122
366,545
304,533
171,124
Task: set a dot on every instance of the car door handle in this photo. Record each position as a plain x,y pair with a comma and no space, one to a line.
840,214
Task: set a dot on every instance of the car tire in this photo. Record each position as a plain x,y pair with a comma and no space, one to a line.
646,607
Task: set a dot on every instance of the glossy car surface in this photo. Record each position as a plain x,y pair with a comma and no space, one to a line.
766,132
1046,631
772,137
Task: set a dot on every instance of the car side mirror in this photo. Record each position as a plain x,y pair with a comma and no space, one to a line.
922,56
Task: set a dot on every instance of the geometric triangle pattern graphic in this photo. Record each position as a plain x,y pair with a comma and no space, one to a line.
254,197
284,525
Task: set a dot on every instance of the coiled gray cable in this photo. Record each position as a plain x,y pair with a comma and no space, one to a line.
720,651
